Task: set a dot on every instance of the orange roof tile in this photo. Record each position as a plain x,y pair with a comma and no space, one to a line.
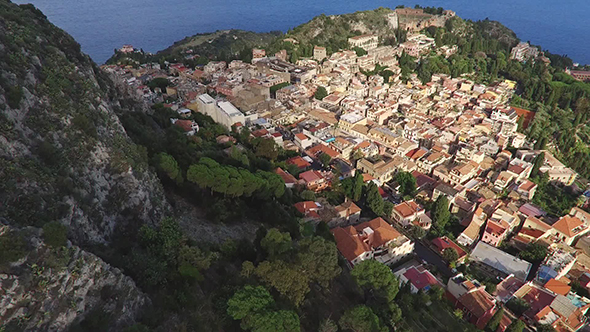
567,224
558,287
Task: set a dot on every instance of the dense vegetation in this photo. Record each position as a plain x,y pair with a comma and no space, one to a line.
288,276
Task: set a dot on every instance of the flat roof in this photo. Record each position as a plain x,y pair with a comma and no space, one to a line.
500,260
352,117
205,98
229,109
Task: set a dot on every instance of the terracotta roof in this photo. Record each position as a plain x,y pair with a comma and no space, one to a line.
310,176
494,228
558,287
301,136
306,206
298,161
352,242
527,185
528,115
288,178
567,224
186,125
349,207
406,209
349,243
477,302
367,177
441,243
320,148
534,233
383,232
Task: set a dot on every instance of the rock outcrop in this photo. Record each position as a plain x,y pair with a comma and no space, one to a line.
64,154
66,158
51,288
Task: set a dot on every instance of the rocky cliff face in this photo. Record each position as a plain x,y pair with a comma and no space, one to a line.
64,154
50,288
66,158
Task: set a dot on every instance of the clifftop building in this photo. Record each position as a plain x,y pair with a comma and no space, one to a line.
367,42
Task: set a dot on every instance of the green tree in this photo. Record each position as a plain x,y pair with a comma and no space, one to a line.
253,306
55,234
320,93
520,124
376,278
517,306
406,182
294,56
537,163
158,82
417,232
387,208
276,321
373,199
168,165
308,195
276,243
495,321
440,212
12,247
328,325
450,255
436,293
359,51
516,326
267,148
353,186
361,319
287,279
325,159
545,328
318,259
534,253
249,300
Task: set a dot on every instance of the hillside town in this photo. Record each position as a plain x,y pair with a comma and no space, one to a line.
460,142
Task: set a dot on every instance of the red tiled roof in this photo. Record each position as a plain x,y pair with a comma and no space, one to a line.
306,207
301,136
477,302
441,243
382,232
186,125
420,279
288,178
528,115
406,209
310,176
494,228
567,224
320,148
298,161
349,243
558,287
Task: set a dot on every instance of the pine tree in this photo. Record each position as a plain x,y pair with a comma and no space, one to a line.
373,199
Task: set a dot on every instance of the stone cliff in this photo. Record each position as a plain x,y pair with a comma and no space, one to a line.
64,154
64,158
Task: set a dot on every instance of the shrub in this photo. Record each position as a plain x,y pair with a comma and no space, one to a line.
12,247
55,234
14,95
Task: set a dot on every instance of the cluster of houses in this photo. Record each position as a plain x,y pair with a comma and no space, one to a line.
456,137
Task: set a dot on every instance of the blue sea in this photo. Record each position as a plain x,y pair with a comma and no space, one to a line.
562,27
